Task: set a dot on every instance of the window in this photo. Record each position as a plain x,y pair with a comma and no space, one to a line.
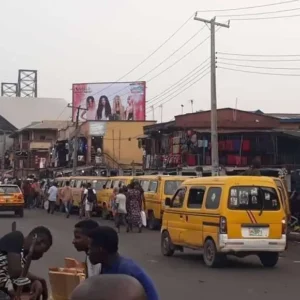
9,190
153,186
42,137
178,198
108,184
78,184
98,184
213,198
145,185
171,186
196,196
73,183
253,198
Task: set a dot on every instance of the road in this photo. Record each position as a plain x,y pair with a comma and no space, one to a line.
183,276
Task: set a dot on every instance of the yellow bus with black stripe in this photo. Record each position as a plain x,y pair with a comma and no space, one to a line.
230,215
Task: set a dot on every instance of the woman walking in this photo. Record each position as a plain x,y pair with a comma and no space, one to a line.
134,206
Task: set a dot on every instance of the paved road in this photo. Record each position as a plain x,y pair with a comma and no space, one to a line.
182,276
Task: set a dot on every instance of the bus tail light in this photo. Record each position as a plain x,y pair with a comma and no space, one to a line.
223,225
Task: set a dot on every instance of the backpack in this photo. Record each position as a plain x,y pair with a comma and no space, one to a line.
91,196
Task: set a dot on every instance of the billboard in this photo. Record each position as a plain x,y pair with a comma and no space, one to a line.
110,101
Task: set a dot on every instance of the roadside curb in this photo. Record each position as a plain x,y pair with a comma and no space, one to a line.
294,237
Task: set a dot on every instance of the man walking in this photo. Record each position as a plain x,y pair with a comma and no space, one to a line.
52,196
67,198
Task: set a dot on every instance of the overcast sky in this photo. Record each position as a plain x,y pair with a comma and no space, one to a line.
70,41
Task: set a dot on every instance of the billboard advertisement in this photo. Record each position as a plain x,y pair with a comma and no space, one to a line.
115,101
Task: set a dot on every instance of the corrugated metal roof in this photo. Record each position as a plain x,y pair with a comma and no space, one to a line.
22,111
6,125
285,116
47,124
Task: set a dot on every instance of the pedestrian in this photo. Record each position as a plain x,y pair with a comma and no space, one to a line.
90,200
120,207
109,287
104,243
26,192
134,206
112,200
81,243
52,197
36,193
67,198
13,250
82,202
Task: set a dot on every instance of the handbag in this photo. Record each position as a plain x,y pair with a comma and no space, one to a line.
144,218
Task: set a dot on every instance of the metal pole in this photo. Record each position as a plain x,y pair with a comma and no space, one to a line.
161,113
182,106
3,151
75,157
214,117
192,105
153,117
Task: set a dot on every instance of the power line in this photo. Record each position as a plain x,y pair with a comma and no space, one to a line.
180,87
259,55
186,88
263,73
249,7
162,62
266,18
149,56
187,76
258,60
258,67
259,13
171,66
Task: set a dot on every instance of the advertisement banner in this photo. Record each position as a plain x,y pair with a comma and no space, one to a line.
114,101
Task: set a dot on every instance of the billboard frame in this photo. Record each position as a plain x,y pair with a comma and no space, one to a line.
110,82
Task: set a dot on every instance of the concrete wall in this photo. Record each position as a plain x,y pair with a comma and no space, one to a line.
121,141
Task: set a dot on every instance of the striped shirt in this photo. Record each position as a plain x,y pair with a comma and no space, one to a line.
11,243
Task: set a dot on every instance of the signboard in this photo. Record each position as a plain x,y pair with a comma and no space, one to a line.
97,128
116,101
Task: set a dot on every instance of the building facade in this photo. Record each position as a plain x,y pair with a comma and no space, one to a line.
186,141
109,144
32,146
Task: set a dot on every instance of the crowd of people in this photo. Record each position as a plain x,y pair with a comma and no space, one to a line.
105,267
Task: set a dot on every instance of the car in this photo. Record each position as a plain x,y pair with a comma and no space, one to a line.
12,199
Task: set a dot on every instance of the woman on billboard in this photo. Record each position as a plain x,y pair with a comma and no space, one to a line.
129,109
90,113
118,109
104,109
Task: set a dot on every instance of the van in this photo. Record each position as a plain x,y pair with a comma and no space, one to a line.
231,215
106,192
156,189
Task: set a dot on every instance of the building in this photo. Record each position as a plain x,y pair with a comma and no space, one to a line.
6,142
185,142
33,146
22,111
106,144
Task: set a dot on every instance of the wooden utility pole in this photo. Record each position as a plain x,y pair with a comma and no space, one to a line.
75,151
214,117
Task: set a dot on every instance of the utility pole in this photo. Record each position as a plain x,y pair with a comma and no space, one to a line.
75,151
192,105
182,106
153,117
161,113
213,117
3,151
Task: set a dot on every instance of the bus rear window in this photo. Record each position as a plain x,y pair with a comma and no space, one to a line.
253,198
9,189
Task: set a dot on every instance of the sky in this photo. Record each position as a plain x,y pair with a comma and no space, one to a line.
74,41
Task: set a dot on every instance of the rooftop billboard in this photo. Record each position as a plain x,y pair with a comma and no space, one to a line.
110,101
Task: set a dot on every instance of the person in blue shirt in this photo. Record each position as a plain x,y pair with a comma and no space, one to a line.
103,249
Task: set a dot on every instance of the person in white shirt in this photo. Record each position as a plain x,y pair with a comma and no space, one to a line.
81,243
52,196
90,200
120,207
